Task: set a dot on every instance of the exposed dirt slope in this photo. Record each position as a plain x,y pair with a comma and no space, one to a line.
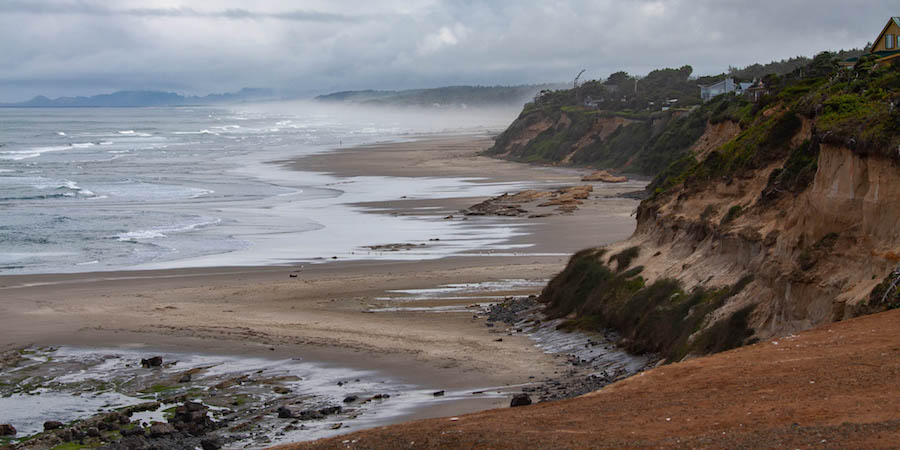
832,386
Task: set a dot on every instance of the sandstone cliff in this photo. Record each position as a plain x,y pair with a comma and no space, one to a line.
788,222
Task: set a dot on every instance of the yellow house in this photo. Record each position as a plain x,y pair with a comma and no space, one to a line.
887,44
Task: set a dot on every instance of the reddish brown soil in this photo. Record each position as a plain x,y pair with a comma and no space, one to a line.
834,386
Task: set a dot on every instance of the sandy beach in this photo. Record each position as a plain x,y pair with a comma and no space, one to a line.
323,312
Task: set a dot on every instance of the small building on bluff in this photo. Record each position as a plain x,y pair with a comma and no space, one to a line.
723,87
886,46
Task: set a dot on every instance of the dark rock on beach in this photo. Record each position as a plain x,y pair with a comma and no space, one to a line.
136,431
192,417
158,429
509,311
331,410
438,394
52,425
311,414
155,361
520,400
7,430
285,413
210,444
351,398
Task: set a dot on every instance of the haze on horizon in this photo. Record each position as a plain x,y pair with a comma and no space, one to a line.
85,47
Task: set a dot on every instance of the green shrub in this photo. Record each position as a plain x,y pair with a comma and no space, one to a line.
733,213
653,318
623,259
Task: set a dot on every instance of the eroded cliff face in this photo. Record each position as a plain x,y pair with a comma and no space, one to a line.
783,214
814,258
563,137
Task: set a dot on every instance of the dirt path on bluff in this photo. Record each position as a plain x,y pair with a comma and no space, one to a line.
834,386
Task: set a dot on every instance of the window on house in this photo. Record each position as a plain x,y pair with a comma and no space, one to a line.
889,41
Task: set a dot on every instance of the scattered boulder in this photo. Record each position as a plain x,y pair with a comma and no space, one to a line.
281,390
77,433
64,435
331,410
93,432
284,413
351,398
140,407
52,425
155,361
438,394
520,400
510,310
158,429
7,430
310,414
210,444
192,418
604,176
186,378
135,431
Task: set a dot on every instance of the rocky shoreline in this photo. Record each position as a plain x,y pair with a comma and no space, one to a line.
98,398
592,361
198,403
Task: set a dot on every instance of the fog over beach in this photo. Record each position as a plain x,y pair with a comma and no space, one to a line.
164,187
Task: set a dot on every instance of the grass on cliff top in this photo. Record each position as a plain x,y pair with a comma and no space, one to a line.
659,317
858,108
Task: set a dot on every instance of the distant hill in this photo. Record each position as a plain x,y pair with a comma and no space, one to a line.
443,97
122,99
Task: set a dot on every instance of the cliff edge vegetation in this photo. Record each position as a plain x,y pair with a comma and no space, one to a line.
790,222
636,125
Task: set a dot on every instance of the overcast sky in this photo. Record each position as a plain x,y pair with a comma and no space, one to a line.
79,47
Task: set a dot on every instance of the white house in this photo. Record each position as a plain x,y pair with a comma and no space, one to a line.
723,87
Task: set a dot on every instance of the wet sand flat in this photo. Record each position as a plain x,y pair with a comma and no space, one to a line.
323,312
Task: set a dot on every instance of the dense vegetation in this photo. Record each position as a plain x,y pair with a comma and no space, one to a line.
785,66
656,317
647,143
856,108
662,116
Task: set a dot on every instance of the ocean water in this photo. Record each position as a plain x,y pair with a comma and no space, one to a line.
147,188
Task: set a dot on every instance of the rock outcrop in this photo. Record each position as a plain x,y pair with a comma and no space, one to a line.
604,176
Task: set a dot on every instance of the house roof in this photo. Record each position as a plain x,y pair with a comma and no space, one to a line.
895,19
881,55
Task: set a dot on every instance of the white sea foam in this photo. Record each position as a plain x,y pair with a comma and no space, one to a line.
134,133
60,133
161,232
66,184
34,152
204,131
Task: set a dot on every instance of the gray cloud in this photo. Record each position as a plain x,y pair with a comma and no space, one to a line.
89,46
90,9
